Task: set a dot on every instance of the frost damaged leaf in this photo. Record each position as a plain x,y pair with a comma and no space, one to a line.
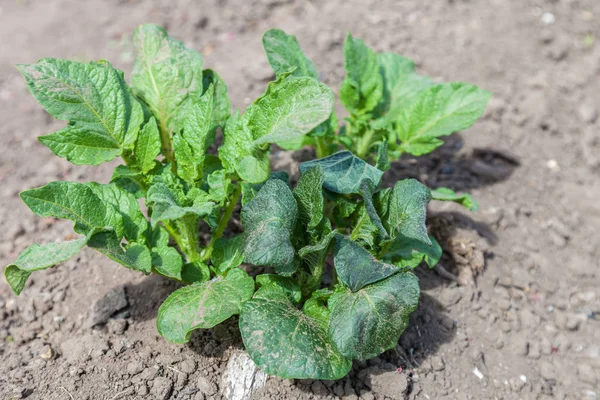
37,257
284,341
366,323
203,305
362,87
343,172
285,55
269,221
165,73
446,194
104,118
356,267
440,110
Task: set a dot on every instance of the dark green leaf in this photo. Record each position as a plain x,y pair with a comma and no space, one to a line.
203,305
366,191
362,87
309,196
356,267
288,285
367,323
344,172
284,341
409,253
383,162
227,253
195,272
446,194
37,257
285,55
408,210
129,180
316,306
269,221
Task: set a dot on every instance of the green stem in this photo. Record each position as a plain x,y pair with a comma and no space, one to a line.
223,222
321,147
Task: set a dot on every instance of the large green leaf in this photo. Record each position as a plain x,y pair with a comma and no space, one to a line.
68,200
344,172
439,111
104,118
409,253
37,257
290,108
167,205
189,144
126,206
203,305
447,194
269,221
147,146
362,87
285,55
284,341
356,267
367,323
134,256
407,210
401,84
309,196
165,73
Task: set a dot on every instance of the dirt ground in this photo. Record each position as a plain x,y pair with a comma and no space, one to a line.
529,326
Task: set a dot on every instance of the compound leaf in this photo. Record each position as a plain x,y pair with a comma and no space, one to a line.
356,267
362,87
438,111
447,194
203,305
37,257
269,221
285,55
343,172
366,323
284,341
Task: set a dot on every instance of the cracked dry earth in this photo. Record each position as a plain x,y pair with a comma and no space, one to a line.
522,324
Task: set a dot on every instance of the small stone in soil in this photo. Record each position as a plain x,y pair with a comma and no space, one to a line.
162,388
113,301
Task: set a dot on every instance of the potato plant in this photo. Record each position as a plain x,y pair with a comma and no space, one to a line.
337,220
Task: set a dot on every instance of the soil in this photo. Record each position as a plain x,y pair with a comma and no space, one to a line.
523,322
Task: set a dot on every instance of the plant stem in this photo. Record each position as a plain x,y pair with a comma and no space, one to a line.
223,222
322,147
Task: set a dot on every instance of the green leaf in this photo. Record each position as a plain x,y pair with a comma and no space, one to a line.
383,162
203,305
165,73
167,261
126,206
135,256
104,118
147,147
288,285
367,323
343,172
219,185
364,232
439,111
269,221
289,108
68,200
195,272
37,257
221,104
366,191
309,196
401,85
227,253
285,55
316,306
129,180
189,144
409,253
446,194
284,341
166,205
407,210
362,87
356,267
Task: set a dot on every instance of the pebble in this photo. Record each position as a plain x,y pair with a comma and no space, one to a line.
135,367
534,351
205,386
386,383
187,366
162,388
117,326
516,385
587,112
101,310
586,374
47,353
573,322
547,370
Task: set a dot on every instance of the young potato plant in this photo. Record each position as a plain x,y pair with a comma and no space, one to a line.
321,274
